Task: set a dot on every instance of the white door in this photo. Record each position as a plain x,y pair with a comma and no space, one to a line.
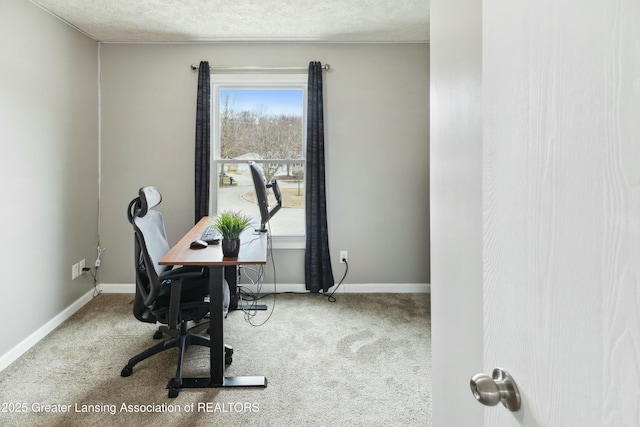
561,198
560,90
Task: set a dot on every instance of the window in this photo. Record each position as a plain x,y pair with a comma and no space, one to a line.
260,118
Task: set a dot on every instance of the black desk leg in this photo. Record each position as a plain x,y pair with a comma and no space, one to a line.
216,361
216,315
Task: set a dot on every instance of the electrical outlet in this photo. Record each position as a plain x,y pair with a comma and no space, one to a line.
81,265
74,271
344,256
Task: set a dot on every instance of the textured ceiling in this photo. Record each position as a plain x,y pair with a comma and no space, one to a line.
246,20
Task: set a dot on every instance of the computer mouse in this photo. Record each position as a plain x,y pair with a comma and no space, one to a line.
198,244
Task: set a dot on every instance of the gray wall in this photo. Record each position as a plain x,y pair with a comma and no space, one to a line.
49,166
377,147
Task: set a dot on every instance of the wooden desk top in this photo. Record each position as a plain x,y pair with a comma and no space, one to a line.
253,249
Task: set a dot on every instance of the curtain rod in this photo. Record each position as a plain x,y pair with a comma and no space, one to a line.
325,67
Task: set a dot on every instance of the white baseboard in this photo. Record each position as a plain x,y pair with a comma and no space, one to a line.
17,351
347,288
117,288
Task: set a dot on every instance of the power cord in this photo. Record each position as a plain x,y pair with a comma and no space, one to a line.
330,297
96,291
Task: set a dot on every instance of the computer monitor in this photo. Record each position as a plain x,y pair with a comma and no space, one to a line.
261,186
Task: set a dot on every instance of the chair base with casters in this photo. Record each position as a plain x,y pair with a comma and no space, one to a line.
182,341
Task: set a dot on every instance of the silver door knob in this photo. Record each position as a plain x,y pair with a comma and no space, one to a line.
499,388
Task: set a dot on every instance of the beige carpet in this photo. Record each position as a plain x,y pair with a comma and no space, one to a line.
361,361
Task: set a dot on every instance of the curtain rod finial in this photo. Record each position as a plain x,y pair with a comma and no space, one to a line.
194,67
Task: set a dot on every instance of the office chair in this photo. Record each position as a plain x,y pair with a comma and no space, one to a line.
166,295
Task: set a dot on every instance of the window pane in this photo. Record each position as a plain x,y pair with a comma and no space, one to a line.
262,124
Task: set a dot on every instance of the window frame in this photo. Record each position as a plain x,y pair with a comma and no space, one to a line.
257,81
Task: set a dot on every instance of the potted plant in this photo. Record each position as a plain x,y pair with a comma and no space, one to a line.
230,224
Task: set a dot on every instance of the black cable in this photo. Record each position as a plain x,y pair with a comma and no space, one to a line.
330,297
96,291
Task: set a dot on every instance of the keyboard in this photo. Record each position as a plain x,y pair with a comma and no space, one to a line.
211,235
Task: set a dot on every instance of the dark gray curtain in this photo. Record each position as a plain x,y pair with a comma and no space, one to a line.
318,273
203,142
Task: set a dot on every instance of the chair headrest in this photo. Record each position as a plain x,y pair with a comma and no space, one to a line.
148,198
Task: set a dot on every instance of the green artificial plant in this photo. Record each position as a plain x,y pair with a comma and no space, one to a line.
231,223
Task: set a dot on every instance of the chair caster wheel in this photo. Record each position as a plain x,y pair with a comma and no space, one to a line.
157,335
126,371
173,389
228,353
